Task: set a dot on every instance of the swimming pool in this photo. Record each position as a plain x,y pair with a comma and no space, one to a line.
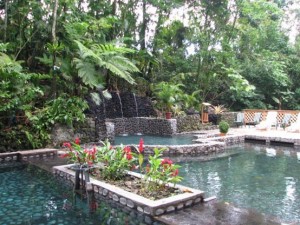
185,139
251,177
32,196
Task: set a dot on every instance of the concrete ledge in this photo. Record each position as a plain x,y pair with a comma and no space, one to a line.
21,156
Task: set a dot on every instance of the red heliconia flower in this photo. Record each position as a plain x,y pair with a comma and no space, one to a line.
175,173
127,149
141,145
65,155
67,145
129,156
77,141
166,161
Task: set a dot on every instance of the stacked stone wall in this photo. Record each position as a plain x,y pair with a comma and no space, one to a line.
145,125
229,117
192,123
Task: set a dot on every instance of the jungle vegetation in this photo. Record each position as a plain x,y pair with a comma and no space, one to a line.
238,53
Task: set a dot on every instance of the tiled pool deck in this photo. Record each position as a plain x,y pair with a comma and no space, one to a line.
212,212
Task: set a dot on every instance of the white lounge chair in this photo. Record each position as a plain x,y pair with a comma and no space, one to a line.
294,127
285,121
256,119
271,120
239,119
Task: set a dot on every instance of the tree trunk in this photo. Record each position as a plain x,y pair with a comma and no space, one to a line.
143,27
5,20
53,32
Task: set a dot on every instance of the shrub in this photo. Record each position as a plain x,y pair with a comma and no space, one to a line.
223,127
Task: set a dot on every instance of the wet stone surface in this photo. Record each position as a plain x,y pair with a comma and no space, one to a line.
216,213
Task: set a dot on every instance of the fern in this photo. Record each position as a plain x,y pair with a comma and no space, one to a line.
107,56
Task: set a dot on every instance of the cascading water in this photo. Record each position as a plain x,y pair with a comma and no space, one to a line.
104,107
137,113
122,114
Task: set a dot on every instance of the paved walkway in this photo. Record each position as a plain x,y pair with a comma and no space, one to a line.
217,213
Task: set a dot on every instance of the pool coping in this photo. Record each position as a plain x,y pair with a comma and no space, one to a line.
189,197
24,156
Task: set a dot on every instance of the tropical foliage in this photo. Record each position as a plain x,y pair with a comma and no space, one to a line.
236,53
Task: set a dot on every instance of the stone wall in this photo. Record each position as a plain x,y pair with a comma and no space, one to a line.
145,125
86,131
191,123
229,117
95,129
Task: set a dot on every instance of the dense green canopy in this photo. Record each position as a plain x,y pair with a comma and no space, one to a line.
238,53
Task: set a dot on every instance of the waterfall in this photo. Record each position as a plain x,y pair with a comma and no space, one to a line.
137,114
122,114
136,105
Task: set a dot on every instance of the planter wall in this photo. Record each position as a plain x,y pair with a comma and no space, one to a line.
134,201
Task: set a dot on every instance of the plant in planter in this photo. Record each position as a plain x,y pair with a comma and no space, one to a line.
81,157
159,172
167,95
153,193
223,127
115,161
217,111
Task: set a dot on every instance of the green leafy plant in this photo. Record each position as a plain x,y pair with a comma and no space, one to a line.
160,171
79,155
167,95
223,127
115,161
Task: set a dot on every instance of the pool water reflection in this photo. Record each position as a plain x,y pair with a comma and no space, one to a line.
251,178
32,196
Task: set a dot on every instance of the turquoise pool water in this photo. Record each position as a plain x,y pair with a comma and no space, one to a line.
155,140
250,178
32,196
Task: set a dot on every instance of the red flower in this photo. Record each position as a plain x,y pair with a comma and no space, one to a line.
67,145
166,161
141,145
65,155
175,173
77,141
127,149
129,156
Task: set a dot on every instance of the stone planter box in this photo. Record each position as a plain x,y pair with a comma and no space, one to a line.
133,201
